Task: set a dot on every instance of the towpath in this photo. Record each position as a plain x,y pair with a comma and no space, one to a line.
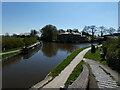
10,52
63,76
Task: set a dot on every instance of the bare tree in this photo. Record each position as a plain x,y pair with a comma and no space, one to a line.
102,30
90,29
111,30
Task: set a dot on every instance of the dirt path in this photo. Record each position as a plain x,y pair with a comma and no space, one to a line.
63,76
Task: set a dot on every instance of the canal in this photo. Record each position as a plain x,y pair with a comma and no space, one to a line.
23,71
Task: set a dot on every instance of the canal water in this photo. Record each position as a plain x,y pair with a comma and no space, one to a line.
23,71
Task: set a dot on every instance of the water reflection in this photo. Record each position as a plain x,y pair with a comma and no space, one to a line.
31,68
11,60
20,57
32,52
51,49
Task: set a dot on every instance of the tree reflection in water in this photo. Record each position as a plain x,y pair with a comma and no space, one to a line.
51,49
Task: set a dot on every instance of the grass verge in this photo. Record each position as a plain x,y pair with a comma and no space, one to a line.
75,73
55,72
95,56
9,54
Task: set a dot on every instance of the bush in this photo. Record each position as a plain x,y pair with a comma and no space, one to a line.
30,41
11,42
112,50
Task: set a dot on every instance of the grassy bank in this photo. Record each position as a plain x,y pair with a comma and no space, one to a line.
75,73
94,56
66,62
9,54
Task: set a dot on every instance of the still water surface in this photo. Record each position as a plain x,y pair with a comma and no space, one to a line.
23,71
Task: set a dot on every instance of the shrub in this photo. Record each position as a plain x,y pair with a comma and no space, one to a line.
112,50
11,42
29,41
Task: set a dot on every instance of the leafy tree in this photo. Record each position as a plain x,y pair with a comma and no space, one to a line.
113,53
29,41
33,33
11,42
49,33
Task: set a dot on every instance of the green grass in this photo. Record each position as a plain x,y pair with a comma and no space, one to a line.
55,72
9,54
95,56
75,73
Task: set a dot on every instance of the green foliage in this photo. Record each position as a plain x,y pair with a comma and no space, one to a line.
113,53
11,42
66,62
14,43
75,73
9,54
49,33
29,41
94,56
33,33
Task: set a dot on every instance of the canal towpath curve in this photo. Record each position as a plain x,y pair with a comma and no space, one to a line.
63,76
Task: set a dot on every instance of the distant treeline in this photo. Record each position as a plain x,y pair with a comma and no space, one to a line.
14,42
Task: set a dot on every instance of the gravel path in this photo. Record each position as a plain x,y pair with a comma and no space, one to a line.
103,79
63,76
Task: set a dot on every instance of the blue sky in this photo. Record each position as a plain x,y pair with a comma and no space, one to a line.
21,17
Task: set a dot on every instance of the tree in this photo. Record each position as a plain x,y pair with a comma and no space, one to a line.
102,30
49,33
111,30
33,33
90,29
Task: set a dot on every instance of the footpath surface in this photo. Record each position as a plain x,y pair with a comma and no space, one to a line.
63,76
104,80
9,52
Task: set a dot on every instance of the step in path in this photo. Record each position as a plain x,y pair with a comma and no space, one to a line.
103,79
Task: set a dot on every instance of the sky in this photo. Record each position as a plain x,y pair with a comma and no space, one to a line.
21,17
